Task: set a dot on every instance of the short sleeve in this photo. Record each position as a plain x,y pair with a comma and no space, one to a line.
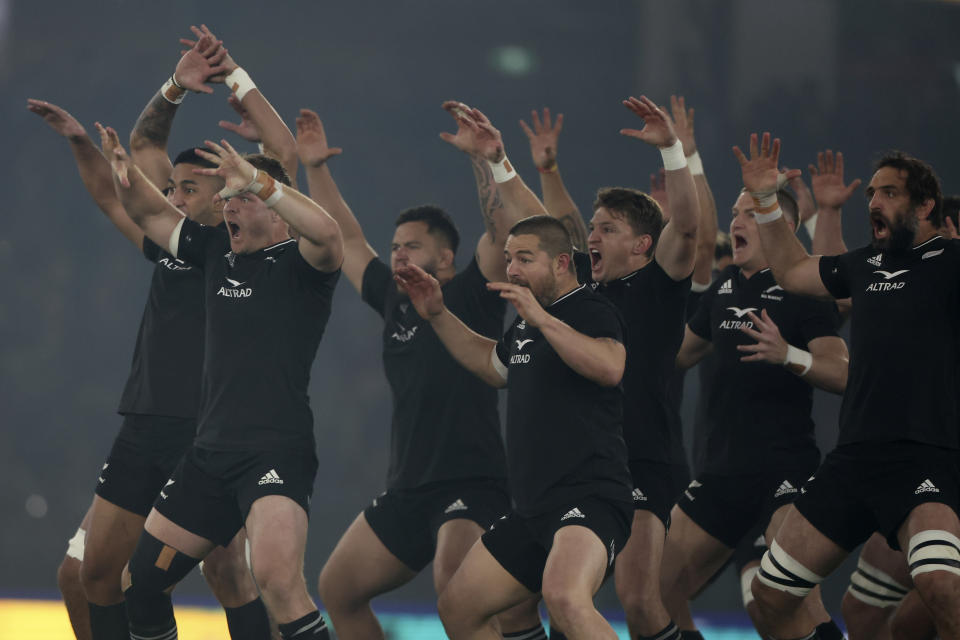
377,280
151,250
503,347
834,275
818,319
198,241
602,320
699,322
468,297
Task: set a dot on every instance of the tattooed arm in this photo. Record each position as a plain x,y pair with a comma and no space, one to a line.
502,205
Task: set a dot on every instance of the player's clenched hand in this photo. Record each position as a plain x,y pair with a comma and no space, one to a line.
475,134
312,140
58,119
657,127
422,289
770,346
115,153
237,173
522,299
543,138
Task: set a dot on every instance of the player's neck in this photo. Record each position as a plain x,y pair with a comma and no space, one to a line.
565,285
446,275
923,234
749,270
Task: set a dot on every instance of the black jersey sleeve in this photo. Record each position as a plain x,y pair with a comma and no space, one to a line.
311,277
151,250
599,319
377,280
503,347
699,322
834,274
818,319
469,299
198,243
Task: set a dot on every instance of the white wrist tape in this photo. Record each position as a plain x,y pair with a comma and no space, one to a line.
695,164
698,287
673,157
274,198
172,92
502,171
239,82
811,225
265,187
764,218
799,357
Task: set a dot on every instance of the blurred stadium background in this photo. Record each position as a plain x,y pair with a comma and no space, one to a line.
859,76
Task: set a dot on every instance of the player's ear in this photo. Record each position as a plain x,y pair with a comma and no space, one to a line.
446,258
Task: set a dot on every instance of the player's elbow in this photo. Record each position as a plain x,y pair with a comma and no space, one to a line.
611,373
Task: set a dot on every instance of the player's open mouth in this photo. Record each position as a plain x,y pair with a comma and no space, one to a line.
234,229
739,242
880,228
595,259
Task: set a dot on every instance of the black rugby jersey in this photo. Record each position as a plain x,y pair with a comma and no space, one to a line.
653,306
904,345
164,377
445,423
265,314
564,436
758,413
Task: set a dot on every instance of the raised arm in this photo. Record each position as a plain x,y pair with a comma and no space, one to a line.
824,363
141,199
479,139
794,269
707,221
148,139
320,242
543,138
314,153
677,248
831,194
474,352
601,360
93,167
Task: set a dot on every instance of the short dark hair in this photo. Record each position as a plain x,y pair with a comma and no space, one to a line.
190,156
553,237
922,182
640,211
951,209
270,166
788,204
439,223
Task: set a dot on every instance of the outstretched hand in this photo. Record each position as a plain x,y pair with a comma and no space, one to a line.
196,66
58,119
760,172
220,56
312,140
422,289
770,346
543,138
523,300
827,179
236,172
475,134
657,129
683,124
115,153
246,129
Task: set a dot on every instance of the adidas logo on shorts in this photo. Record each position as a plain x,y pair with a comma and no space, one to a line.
785,488
573,513
456,505
270,477
926,487
638,496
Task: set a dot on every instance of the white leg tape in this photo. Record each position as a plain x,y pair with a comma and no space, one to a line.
781,572
934,550
77,543
875,587
746,584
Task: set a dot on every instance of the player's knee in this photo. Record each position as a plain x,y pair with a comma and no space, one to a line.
782,583
939,590
563,603
153,569
859,616
638,595
455,611
279,579
229,579
68,575
100,576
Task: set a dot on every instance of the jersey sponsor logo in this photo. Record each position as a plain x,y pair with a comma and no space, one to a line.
638,496
522,343
270,477
876,260
887,286
405,335
931,254
573,513
456,505
235,290
726,287
737,311
179,265
770,293
738,324
784,489
926,487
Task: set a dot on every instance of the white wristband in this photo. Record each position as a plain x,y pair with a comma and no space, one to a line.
673,157
811,225
275,196
764,218
695,164
172,92
799,357
239,82
502,171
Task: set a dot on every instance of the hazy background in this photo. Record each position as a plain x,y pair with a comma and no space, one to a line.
857,76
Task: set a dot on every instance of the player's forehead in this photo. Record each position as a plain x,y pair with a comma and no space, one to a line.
413,231
183,172
888,176
526,242
602,214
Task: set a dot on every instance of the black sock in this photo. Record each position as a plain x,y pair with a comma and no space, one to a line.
829,631
533,633
669,632
110,622
311,625
248,622
691,635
